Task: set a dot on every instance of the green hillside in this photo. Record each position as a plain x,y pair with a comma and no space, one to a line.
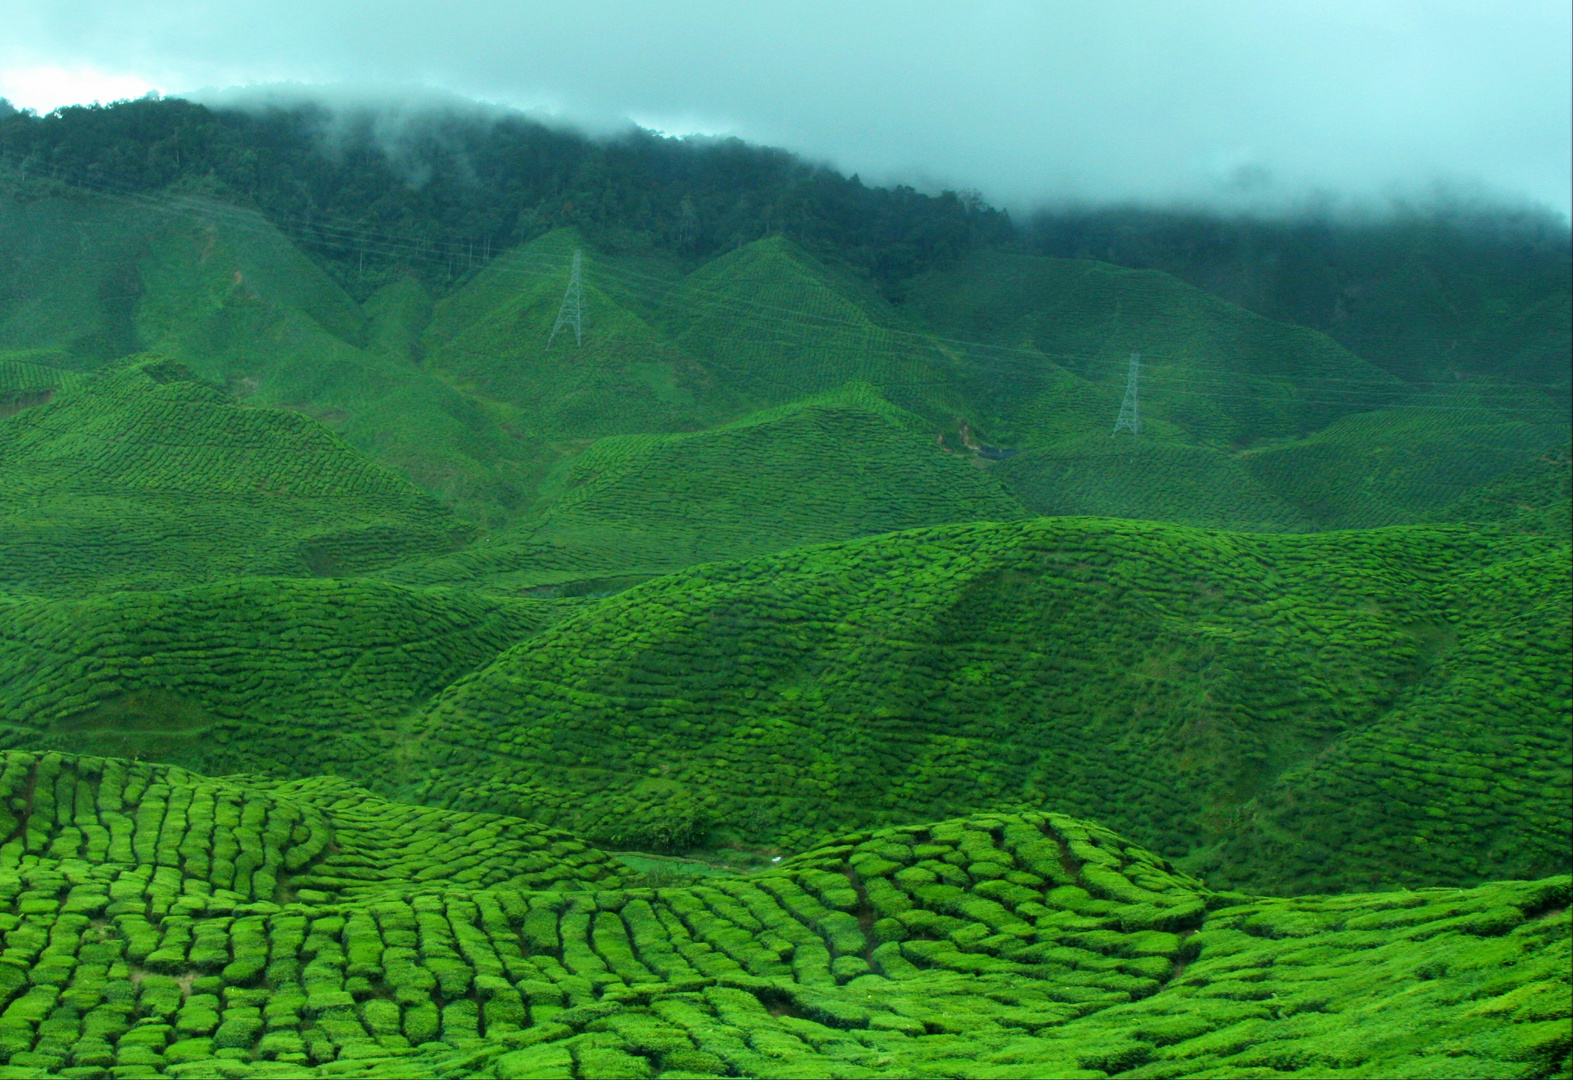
1397,466
1299,712
145,477
1537,497
291,676
461,395
1212,373
158,922
1302,713
221,291
1045,345
69,282
770,324
494,336
831,467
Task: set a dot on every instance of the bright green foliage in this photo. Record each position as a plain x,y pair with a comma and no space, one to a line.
1157,479
491,335
221,291
1334,710
295,675
23,385
158,920
771,324
145,477
231,543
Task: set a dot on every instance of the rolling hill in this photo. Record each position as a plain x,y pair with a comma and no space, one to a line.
1248,424
1300,712
221,291
831,467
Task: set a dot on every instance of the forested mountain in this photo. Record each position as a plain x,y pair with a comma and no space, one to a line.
1431,291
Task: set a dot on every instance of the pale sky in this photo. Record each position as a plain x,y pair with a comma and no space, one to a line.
1230,102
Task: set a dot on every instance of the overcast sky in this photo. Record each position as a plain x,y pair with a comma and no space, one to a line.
1230,101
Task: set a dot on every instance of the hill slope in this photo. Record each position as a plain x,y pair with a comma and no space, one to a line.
494,336
1045,346
160,920
1214,693
831,467
288,676
221,291
145,477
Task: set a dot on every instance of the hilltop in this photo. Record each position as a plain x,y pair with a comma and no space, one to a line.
1017,361
1268,704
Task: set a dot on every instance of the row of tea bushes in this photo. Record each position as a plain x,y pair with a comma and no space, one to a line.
1176,683
1400,465
145,477
1283,707
1005,945
380,846
297,676
1151,477
842,465
1484,728
1534,497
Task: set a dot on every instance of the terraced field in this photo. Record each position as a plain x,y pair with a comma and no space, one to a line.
836,466
160,922
292,676
1300,713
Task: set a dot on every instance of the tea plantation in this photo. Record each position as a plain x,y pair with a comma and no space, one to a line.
793,677
158,922
1333,698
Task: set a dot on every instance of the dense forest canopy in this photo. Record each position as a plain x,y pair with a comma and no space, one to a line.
467,183
1426,292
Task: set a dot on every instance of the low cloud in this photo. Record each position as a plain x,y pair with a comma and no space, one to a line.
1233,103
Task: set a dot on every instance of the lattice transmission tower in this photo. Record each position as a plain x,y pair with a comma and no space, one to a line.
1130,418
572,311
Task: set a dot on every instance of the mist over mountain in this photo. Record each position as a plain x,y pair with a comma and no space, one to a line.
435,184
1234,105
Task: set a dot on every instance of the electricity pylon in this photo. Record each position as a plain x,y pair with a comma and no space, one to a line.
1130,418
572,311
